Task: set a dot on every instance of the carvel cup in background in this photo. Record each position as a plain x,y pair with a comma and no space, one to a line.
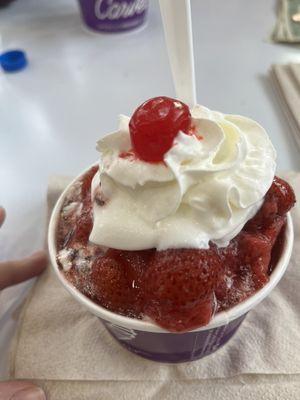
149,340
113,15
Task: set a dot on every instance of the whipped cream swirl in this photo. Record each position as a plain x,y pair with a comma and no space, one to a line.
210,184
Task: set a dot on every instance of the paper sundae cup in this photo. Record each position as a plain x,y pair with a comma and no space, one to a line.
151,341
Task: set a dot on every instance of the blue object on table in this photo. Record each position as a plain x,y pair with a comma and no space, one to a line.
13,60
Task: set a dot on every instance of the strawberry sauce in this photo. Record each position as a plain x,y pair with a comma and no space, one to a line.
179,289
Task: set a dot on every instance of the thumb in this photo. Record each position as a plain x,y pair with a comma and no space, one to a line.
20,390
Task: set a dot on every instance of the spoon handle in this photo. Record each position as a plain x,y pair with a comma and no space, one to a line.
176,16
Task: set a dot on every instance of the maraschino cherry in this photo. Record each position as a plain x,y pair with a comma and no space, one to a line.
155,124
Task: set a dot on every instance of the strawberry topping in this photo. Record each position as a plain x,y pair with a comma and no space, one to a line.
179,289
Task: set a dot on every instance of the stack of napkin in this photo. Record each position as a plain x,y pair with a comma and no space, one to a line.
286,81
65,349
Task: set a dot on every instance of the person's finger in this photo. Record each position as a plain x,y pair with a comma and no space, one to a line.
20,390
2,215
13,272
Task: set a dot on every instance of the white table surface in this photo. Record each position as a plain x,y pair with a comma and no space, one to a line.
76,84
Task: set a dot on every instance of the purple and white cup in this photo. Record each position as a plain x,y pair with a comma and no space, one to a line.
113,15
149,340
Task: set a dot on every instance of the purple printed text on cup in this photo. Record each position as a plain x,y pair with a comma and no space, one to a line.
113,15
112,10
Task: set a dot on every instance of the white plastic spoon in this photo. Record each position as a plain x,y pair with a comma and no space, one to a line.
176,16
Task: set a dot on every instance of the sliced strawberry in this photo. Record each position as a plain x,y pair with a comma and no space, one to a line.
284,195
182,319
255,254
117,284
179,285
247,260
110,284
134,262
279,199
272,230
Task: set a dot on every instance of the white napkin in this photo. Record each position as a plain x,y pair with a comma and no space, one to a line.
67,351
286,81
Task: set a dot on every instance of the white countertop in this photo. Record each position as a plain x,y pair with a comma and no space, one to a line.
76,84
